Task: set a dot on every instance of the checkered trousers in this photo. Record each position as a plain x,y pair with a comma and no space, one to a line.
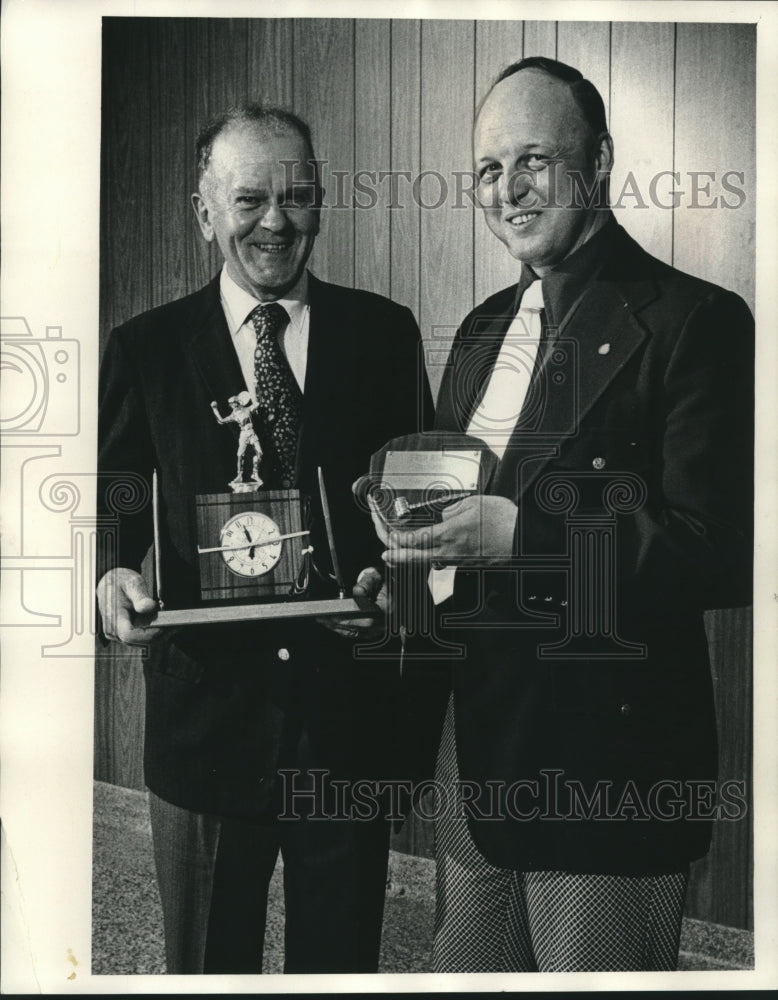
500,920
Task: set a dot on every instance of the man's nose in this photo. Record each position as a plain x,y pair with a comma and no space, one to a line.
274,217
514,186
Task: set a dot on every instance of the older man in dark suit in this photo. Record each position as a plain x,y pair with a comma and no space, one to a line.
616,393
327,373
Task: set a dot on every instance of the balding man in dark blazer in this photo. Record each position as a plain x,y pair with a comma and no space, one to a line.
616,393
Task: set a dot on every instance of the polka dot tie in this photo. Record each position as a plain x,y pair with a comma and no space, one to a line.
279,397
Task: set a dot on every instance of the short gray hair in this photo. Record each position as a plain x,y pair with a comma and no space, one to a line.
273,119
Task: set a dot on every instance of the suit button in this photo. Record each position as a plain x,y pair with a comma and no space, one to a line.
626,709
598,463
283,654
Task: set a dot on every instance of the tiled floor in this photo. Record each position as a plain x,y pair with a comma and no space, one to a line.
127,922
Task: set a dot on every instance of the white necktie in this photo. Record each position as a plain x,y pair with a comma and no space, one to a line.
495,417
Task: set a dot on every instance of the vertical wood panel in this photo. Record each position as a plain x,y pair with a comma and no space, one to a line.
324,96
586,46
131,280
119,718
126,186
226,72
372,153
270,45
642,130
447,89
416,835
405,221
227,67
540,38
203,259
171,168
714,131
498,44
721,888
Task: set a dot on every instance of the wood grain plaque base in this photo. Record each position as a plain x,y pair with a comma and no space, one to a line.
257,612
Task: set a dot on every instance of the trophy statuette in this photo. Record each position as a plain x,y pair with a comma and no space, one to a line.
253,550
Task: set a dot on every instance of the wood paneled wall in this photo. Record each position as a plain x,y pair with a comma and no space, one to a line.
399,95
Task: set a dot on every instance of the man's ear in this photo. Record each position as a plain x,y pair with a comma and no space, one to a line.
320,193
200,206
604,154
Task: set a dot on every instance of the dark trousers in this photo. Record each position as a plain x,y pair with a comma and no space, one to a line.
214,874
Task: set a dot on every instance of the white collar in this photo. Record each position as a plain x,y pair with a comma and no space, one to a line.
239,303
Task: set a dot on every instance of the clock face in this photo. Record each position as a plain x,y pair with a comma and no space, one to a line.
242,536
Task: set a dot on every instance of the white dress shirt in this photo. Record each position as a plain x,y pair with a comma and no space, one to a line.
496,416
293,336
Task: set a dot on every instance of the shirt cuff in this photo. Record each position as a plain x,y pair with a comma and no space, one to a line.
441,583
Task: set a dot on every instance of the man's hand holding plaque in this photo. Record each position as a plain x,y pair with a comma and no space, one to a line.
477,526
425,493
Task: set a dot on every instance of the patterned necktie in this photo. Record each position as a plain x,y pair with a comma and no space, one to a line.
279,398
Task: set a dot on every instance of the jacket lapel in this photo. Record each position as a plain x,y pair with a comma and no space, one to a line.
330,367
209,345
473,357
595,341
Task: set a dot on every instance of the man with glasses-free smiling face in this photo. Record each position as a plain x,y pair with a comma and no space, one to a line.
610,386
534,153
259,200
230,707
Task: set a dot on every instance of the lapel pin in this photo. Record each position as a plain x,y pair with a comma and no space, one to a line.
604,349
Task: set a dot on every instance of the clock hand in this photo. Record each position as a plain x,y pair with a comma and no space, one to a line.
237,548
251,540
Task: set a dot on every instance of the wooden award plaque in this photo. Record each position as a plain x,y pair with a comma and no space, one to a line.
251,549
413,478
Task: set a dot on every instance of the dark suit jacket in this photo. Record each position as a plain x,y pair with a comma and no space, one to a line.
643,438
223,710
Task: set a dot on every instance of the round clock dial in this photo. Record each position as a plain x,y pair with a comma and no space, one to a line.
242,535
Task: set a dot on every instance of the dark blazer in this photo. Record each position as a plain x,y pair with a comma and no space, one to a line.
588,657
223,708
